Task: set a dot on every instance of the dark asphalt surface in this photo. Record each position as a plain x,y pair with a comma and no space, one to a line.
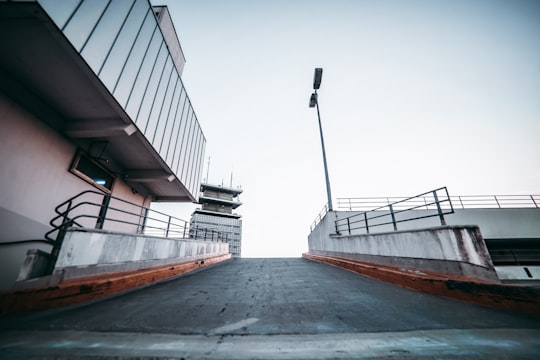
233,307
273,296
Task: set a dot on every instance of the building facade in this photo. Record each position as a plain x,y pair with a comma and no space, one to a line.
91,98
215,219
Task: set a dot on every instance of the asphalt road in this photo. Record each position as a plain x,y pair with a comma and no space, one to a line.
281,305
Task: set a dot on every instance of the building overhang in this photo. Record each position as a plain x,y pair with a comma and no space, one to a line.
216,213
223,189
211,200
40,70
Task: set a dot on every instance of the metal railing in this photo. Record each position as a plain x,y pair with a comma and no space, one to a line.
319,217
208,234
434,203
98,210
459,202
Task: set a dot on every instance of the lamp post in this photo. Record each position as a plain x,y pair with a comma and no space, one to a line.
313,102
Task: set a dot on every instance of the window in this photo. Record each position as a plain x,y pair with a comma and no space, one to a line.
92,172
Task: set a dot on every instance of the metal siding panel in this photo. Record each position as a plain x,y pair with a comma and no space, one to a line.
169,125
150,91
132,67
182,131
185,143
116,59
159,98
171,148
79,28
60,11
143,76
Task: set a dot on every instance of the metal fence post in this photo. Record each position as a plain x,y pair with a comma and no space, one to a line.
349,226
393,217
497,201
365,220
168,227
441,216
66,223
103,211
534,202
145,217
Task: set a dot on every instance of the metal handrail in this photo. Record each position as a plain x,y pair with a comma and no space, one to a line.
459,202
319,217
399,211
73,212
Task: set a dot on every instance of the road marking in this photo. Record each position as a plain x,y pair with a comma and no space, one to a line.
232,327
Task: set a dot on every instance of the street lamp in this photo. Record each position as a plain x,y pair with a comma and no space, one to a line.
313,102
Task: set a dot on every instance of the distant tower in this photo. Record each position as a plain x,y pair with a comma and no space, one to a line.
216,213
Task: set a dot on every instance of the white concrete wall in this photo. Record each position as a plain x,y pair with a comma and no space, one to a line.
86,252
460,250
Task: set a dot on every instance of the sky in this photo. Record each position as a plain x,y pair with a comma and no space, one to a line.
415,95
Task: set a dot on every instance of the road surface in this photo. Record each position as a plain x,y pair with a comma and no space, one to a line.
273,308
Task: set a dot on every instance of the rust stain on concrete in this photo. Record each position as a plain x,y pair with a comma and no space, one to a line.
93,287
509,297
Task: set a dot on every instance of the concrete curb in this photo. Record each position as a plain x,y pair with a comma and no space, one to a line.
94,287
509,297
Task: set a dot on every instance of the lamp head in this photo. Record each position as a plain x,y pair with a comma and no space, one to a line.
317,78
313,100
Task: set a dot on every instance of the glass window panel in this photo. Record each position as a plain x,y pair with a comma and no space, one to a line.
82,23
59,11
101,40
200,166
196,153
150,92
194,160
116,58
180,140
166,119
162,107
137,94
171,122
200,160
157,103
191,152
171,151
186,143
135,60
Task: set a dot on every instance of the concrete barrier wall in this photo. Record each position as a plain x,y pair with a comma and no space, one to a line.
458,250
90,252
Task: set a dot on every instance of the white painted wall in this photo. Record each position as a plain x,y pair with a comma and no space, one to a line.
34,179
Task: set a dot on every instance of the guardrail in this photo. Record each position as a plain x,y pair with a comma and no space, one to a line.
93,209
319,217
459,202
438,201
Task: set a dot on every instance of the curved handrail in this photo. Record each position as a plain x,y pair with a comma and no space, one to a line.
147,221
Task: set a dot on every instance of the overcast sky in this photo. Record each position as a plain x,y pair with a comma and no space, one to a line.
415,95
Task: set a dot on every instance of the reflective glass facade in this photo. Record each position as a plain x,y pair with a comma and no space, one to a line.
123,44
